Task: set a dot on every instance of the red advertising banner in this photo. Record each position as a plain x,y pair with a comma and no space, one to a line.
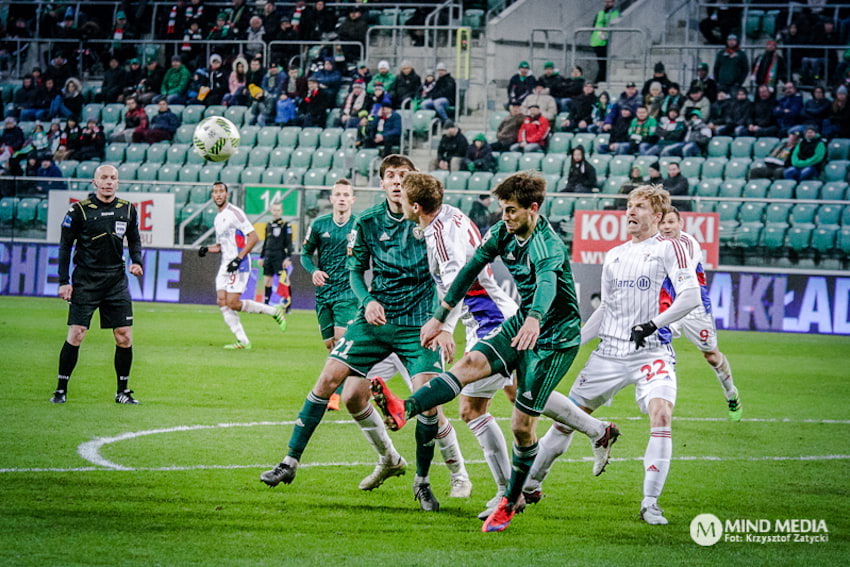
596,232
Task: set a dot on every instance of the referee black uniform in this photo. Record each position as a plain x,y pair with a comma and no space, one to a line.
277,247
98,230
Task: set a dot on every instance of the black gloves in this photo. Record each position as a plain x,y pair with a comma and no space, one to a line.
640,332
233,265
202,251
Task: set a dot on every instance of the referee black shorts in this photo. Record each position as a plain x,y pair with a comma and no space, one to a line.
106,291
272,265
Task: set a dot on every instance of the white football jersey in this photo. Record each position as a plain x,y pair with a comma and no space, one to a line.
231,228
634,278
695,251
451,240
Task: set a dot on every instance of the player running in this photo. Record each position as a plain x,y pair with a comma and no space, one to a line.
540,341
698,326
235,238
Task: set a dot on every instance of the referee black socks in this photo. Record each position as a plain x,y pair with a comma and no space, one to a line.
123,362
67,362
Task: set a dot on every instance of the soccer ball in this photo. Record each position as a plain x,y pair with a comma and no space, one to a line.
216,138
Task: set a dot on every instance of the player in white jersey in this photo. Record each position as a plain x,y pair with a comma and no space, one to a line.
698,326
630,351
235,238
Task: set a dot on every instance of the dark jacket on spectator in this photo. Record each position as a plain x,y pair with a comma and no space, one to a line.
816,110
405,86
583,108
519,87
721,112
762,113
480,159
13,137
445,87
452,146
793,105
740,112
678,186
582,175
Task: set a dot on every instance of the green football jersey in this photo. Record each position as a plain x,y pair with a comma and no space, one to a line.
329,241
401,281
543,258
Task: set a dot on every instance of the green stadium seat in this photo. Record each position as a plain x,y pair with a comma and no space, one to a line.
457,180
329,138
147,172
799,237
86,169
210,172
322,158
613,184
215,110
620,166
843,240
348,139
501,176
363,161
189,173
691,166
199,194
301,158
279,157
192,156
600,162
236,114
184,134
764,146
553,182
838,149
561,208
747,236
343,159
115,152
68,167
157,153
314,176
27,212
829,215
808,190
742,147
309,137
803,213
727,210
192,114
176,154
208,216
421,122
585,139
751,213
230,174
756,189
127,171
334,115
252,175
273,176
294,176
559,143
782,189
773,236
240,156
834,191
598,141
732,188
479,182
287,137
181,195
586,204
135,153
112,113
836,170
708,188
168,172
823,238
259,156
186,212
465,202
267,136
440,174
41,214
713,168
737,168
248,135
333,175
719,146
473,18
495,118
530,161
777,213
508,161
8,206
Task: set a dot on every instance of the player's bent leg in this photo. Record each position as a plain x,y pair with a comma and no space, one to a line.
656,460
720,364
552,445
447,386
390,405
473,411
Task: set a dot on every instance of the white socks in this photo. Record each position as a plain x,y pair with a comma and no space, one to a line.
563,410
656,463
724,376
551,446
231,317
249,306
447,442
373,428
492,442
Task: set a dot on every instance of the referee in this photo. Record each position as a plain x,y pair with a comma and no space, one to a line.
277,248
98,226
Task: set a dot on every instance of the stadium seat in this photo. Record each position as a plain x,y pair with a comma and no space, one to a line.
334,174
803,213
192,156
343,159
829,215
314,177
41,214
215,110
713,168
756,189
586,204
294,176
68,167
210,172
181,195
708,188
186,212
479,182
301,158
552,163
230,174
585,139
620,166
192,114
329,138
836,170
691,166
799,237
189,173
782,189
252,175
742,147
598,141
348,139
323,158
747,236
773,236
168,172
240,156
112,113
529,161
308,138
363,161
236,114
843,240
421,122
764,146
147,171
834,191
751,213
559,143
127,171
561,208
333,118
157,153
727,210
176,154
777,213
457,180
808,190
279,157
553,182
495,118
267,136
838,149
199,194
731,189
259,156
27,212
613,184
440,174
823,238
86,169
737,168
508,161
273,176
719,146
184,134
248,135
599,161
287,137
8,206
115,152
135,153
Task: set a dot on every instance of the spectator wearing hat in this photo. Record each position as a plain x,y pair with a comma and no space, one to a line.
654,99
239,17
162,126
730,66
353,28
302,20
285,110
378,99
521,84
283,32
769,67
599,38
720,115
386,130
671,130
356,101
222,31
135,74
329,78
384,76
808,156
696,139
216,83
674,98
175,83
479,156
629,97
59,70
12,135
534,132
555,84
543,100
659,75
122,35
762,120
452,149
508,129
677,185
313,109
151,82
581,177
406,86
706,82
254,35
48,168
654,173
443,94
721,22
271,17
69,103
696,99
581,115
788,109
363,73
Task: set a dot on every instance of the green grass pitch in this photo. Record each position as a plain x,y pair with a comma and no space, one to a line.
192,496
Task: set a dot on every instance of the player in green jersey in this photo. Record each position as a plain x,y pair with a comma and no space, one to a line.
539,342
388,320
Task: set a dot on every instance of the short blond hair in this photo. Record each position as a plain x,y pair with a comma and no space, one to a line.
658,197
423,189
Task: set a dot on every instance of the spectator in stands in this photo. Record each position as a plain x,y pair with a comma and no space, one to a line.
654,170
674,98
151,82
123,35
192,49
174,20
163,126
556,85
841,76
659,75
654,99
386,131
428,84
295,86
629,97
285,110
70,103
573,87
480,213
636,175
383,76
707,83
696,138
762,120
30,100
788,108
54,137
452,149
302,16
217,82
721,113
581,116
222,31
581,176
740,114
730,66
543,100
324,21
356,101
254,77
13,136
284,32
236,83
313,110
534,132
271,17
11,49
114,82
48,168
642,131
816,110
362,72
329,78
378,99
817,61
838,123
521,84
508,130
238,17
599,38
38,141
618,141
792,36
59,70
721,22
769,67
195,13
135,74
354,28
134,117
255,37
406,86
443,94
92,142
774,165
265,101
808,156
600,112
175,83
479,156
364,129
677,185
696,99
671,130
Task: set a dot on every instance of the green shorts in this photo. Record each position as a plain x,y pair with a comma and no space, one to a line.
538,371
365,345
337,314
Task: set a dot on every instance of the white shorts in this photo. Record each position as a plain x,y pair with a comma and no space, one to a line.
699,329
653,372
486,387
388,368
232,282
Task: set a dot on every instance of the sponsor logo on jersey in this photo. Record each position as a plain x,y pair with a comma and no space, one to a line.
384,237
66,222
120,228
643,283
107,214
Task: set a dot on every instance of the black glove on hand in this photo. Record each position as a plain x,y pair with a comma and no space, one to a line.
202,251
233,265
640,332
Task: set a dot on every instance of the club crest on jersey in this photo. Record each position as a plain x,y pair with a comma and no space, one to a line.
66,222
120,228
276,231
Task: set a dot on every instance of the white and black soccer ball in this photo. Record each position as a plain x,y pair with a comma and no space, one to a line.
216,138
